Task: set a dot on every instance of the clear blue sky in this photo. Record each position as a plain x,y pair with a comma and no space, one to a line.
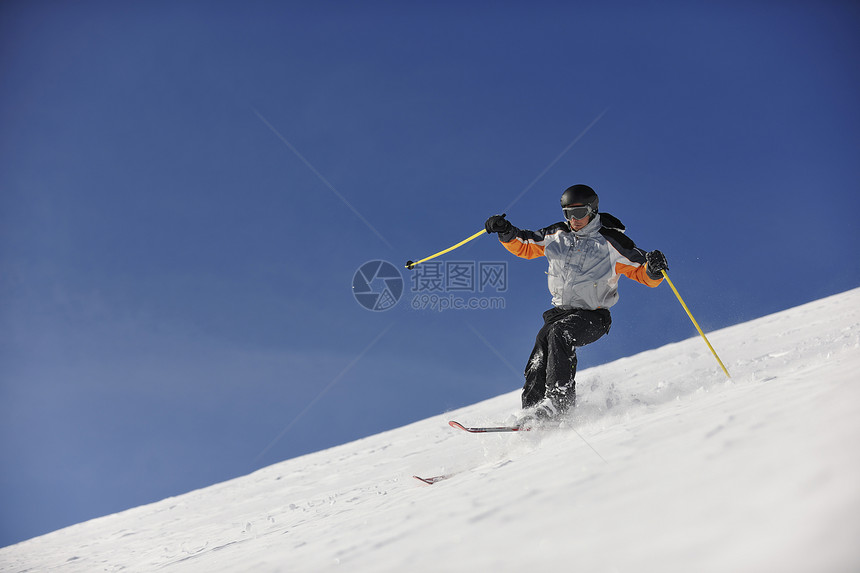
188,188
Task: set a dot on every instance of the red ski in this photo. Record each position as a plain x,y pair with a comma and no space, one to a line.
487,429
434,479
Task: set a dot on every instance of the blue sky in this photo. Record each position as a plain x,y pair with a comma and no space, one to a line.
187,190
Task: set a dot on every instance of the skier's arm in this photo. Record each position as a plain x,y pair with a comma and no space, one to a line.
519,244
507,233
637,272
633,262
529,244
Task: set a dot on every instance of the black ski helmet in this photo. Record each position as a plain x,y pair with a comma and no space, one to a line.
579,194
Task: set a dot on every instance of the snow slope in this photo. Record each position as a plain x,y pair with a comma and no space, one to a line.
667,467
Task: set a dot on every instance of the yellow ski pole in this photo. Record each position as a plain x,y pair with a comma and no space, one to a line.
410,264
696,324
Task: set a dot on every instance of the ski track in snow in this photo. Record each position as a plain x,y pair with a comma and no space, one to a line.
665,466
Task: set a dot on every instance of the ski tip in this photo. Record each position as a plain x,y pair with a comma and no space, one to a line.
432,480
485,429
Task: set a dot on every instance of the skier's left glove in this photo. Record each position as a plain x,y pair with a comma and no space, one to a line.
656,263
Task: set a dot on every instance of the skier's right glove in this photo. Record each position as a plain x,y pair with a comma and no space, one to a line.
498,224
656,264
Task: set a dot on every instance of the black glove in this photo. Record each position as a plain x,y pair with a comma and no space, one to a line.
498,224
656,263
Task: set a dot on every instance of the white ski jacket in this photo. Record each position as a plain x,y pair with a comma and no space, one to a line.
584,266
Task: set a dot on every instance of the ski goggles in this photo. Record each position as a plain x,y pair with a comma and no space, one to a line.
578,212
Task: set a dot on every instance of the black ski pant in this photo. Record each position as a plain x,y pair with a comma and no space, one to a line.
552,365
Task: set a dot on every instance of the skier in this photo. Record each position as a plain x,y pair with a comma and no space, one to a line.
586,254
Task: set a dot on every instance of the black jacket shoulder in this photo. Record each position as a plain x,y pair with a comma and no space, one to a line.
613,230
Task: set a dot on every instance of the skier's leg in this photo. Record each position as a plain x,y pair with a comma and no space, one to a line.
577,329
535,385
